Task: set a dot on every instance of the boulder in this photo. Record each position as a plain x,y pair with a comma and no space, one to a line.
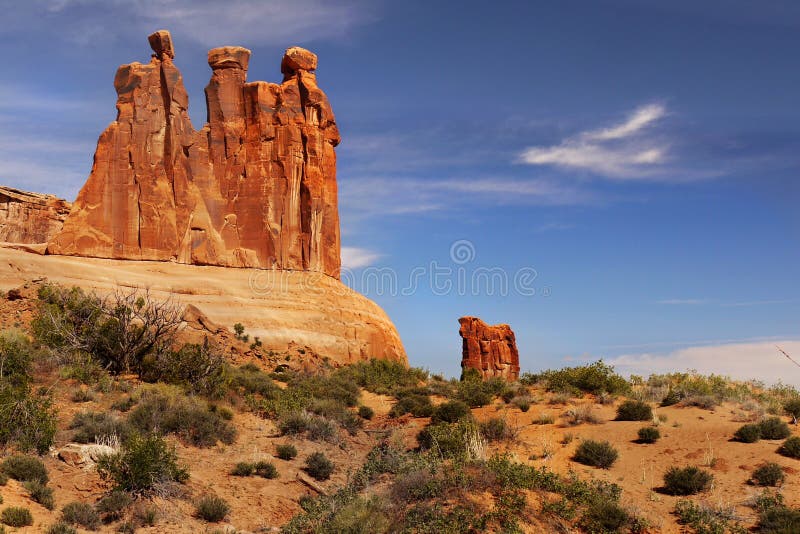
491,350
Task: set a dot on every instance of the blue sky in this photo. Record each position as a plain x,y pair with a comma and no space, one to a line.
635,161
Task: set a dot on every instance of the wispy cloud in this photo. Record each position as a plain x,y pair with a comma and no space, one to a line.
209,22
623,151
682,302
355,258
744,361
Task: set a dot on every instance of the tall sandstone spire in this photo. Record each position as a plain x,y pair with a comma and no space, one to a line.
255,187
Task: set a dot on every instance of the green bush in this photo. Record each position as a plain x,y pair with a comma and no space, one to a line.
27,420
448,439
366,412
595,378
243,469
202,369
496,429
113,505
604,516
779,520
686,480
40,493
119,331
768,474
633,410
265,469
596,453
25,468
649,434
418,405
749,433
16,516
417,485
143,463
791,447
212,509
16,355
81,514
319,466
705,519
476,392
523,403
450,412
671,398
89,426
383,376
774,428
58,528
194,421
792,408
286,451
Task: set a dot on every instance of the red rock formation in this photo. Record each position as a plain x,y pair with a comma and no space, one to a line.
255,187
491,350
30,218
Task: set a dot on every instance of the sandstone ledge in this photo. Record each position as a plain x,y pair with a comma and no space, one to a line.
281,307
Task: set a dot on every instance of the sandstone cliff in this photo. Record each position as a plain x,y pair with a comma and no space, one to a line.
491,350
30,218
255,187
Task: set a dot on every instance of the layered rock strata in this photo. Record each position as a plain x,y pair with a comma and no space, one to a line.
491,350
30,218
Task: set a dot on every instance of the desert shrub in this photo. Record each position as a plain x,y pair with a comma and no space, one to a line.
596,453
265,469
112,505
604,516
791,447
686,480
749,433
792,408
16,516
243,469
543,419
335,386
322,429
449,439
450,412
124,405
118,331
476,392
774,428
145,515
706,402
649,434
212,509
82,395
496,429
366,412
582,414
383,376
58,528
523,403
705,519
16,355
418,405
142,464
319,466
89,426
632,410
286,451
417,485
27,420
250,380
768,474
671,398
3,479
25,468
293,423
779,520
595,378
194,421
40,493
335,410
82,514
202,369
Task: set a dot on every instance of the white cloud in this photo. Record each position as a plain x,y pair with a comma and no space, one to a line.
212,22
622,151
355,258
744,361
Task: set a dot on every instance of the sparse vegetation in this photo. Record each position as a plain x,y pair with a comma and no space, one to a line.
212,509
113,505
774,428
595,378
768,474
286,451
686,480
16,516
706,519
365,412
25,469
596,453
648,434
450,412
40,493
749,433
791,447
633,410
319,466
81,514
143,464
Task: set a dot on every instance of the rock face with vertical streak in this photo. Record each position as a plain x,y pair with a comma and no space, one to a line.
491,350
255,187
30,218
